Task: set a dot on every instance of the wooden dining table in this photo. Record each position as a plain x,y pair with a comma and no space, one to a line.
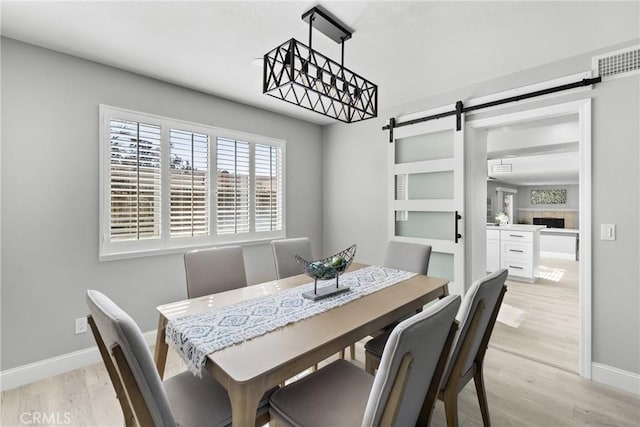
247,370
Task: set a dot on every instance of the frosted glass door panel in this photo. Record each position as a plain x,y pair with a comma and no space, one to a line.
426,192
425,186
427,146
426,225
441,265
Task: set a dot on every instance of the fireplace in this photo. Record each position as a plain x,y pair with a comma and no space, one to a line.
549,222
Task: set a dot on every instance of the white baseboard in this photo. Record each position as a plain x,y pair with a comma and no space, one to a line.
26,374
614,377
22,375
559,255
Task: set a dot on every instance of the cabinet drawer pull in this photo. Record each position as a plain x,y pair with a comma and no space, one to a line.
515,266
516,250
516,235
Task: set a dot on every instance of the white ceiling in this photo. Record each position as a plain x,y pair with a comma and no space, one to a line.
541,152
545,169
410,49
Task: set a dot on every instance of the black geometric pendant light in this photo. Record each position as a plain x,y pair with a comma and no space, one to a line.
300,75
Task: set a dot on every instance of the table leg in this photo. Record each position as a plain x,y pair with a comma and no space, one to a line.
445,291
244,403
161,349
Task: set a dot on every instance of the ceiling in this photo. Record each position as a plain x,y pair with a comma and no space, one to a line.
547,169
411,49
540,152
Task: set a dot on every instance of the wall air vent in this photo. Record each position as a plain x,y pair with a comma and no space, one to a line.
620,63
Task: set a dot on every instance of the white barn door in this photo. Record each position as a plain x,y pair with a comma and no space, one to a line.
426,194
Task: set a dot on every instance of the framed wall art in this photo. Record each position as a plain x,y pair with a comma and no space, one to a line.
549,197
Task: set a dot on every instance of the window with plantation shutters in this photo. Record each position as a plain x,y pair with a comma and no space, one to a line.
268,177
134,176
233,184
169,185
189,164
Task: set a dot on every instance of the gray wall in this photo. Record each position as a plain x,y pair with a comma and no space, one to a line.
50,195
355,189
356,210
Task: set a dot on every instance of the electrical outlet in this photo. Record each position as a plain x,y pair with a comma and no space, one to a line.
81,325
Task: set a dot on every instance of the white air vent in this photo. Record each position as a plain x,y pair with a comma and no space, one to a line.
620,63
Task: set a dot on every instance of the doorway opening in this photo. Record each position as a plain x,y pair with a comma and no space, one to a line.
547,316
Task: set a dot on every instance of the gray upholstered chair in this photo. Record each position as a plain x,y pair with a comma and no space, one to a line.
284,252
284,256
214,270
145,400
477,317
402,393
408,257
404,256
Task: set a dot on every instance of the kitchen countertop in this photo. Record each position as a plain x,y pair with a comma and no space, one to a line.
561,231
517,227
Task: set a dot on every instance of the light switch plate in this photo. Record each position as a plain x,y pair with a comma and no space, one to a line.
607,232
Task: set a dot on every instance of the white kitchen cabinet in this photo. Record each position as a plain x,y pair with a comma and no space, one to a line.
520,253
559,243
493,250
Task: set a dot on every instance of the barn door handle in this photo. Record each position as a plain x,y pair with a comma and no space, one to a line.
457,218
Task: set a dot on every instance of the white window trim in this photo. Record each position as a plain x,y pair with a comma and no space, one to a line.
108,251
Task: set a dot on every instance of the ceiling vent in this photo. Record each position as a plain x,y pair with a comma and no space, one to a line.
620,63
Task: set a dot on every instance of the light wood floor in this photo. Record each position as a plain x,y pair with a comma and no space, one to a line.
521,392
550,330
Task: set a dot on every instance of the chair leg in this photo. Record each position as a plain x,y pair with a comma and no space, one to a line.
352,351
451,408
263,419
371,363
478,378
130,422
341,354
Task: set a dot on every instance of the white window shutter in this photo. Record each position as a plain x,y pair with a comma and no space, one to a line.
170,185
268,173
134,178
189,187
233,205
402,193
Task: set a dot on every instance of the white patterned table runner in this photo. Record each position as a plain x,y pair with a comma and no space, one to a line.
196,336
